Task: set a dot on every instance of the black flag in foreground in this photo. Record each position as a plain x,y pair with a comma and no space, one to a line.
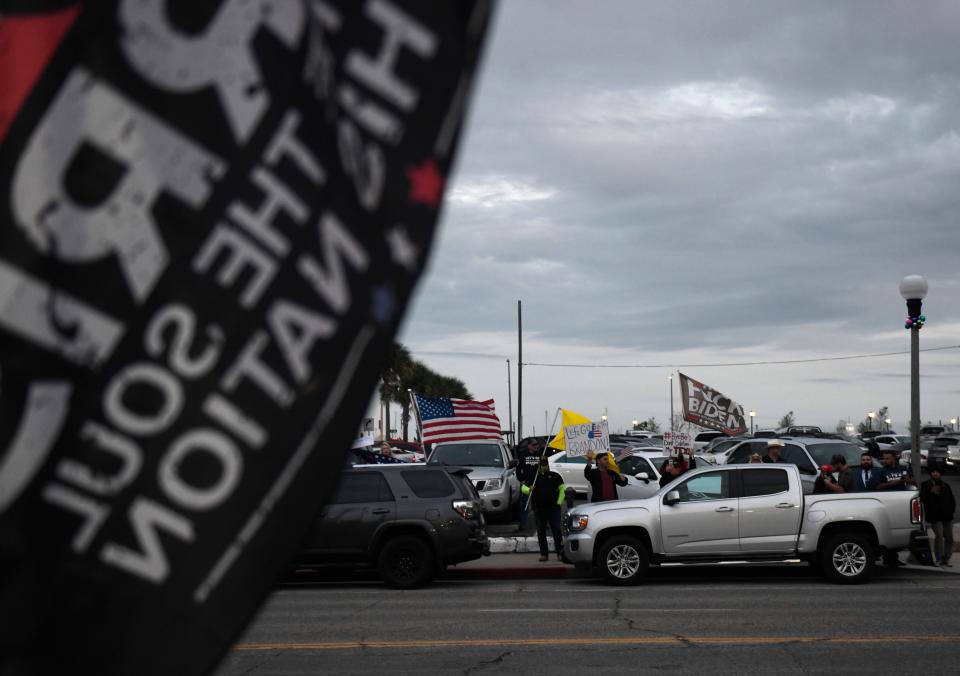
212,217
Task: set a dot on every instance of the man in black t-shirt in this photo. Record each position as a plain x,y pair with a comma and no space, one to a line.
895,476
528,455
547,492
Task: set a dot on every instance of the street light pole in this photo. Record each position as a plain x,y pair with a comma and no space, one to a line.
870,415
670,378
753,414
913,288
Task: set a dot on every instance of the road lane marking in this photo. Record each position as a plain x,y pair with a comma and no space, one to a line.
607,610
597,641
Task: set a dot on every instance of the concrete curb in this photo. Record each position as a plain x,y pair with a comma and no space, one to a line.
518,544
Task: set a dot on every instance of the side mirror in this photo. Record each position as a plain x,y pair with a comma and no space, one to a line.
673,497
512,464
644,477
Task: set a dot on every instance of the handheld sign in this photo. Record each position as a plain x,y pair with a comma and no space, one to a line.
675,443
584,438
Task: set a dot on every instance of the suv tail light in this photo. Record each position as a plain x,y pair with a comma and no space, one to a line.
916,512
467,509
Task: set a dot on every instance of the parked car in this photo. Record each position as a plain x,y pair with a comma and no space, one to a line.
906,458
766,434
493,472
801,431
407,521
945,450
741,512
807,453
652,443
637,463
410,451
570,468
723,442
703,438
932,430
892,442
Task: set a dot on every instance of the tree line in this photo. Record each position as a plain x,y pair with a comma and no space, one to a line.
404,374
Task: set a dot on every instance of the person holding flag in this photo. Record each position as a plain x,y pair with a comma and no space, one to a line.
546,491
605,478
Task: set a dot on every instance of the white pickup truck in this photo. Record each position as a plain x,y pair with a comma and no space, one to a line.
741,513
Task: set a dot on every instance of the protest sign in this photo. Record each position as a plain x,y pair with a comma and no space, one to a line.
675,443
584,438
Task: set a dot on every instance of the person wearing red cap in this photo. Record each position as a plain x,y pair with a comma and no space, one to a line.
825,482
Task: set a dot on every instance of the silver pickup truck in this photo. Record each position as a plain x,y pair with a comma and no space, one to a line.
737,513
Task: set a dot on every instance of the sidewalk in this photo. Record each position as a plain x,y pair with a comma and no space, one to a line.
512,566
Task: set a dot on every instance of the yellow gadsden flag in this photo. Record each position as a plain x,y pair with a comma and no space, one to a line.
569,418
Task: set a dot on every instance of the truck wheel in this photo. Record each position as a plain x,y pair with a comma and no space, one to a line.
623,560
847,558
406,562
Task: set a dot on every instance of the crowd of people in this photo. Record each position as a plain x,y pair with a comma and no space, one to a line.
546,490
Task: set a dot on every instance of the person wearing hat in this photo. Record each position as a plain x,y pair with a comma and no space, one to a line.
938,508
825,482
774,448
546,492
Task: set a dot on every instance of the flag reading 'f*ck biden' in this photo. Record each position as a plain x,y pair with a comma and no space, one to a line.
212,216
709,408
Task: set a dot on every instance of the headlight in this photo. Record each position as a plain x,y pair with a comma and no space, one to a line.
493,485
578,521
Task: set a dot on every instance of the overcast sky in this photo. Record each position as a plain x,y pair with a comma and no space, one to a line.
699,183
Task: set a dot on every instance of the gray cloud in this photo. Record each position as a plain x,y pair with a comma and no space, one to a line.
738,176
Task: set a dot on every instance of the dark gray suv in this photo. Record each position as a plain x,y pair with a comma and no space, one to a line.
408,521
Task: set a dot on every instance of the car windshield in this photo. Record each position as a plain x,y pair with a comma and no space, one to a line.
722,446
823,453
467,455
632,464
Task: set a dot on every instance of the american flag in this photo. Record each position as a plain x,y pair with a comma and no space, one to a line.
444,419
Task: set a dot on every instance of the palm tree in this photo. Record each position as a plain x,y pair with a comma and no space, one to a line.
393,379
404,373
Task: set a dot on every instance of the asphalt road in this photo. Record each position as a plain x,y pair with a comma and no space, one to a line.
743,620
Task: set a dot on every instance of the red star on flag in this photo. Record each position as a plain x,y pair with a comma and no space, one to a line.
27,42
426,183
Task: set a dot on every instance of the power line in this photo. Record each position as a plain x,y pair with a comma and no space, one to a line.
743,363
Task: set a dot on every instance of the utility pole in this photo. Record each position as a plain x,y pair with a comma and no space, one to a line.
671,403
510,401
519,372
